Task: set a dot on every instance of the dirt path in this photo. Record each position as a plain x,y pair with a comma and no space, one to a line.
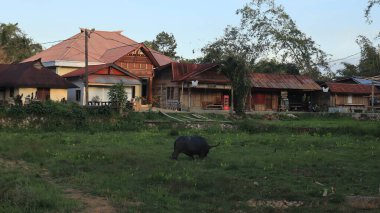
93,204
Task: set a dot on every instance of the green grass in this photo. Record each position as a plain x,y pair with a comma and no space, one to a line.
22,191
270,164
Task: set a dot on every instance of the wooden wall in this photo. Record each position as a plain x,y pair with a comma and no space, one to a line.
161,83
265,101
202,97
342,99
137,63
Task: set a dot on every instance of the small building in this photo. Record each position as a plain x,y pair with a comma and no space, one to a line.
100,79
183,86
343,97
31,81
280,92
104,47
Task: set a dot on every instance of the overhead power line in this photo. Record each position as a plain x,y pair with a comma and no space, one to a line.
341,59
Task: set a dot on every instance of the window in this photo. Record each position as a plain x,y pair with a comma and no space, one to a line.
77,95
170,93
349,99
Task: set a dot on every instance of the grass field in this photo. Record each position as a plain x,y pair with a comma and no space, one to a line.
293,160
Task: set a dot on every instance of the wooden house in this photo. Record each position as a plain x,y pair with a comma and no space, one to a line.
342,97
182,86
280,92
104,47
100,79
31,81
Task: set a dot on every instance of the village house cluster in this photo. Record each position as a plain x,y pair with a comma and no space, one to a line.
150,77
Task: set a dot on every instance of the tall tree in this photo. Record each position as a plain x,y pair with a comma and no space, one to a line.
15,45
369,64
164,43
272,66
265,31
348,70
236,68
367,11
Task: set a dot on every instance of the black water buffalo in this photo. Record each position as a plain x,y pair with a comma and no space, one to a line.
190,146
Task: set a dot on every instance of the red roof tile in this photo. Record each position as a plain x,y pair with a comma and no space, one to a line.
282,81
351,88
31,75
103,47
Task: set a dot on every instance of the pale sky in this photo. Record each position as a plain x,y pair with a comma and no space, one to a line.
333,24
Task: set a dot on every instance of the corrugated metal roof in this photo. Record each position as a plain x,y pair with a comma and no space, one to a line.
359,80
109,79
31,75
351,88
102,47
282,81
189,72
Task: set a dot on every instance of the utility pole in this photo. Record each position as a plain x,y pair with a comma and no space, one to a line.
86,36
373,97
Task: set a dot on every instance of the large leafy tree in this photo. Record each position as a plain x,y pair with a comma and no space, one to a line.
236,69
15,45
348,70
267,31
369,64
164,43
273,66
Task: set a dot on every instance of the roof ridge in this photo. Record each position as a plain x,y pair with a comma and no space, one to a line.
70,45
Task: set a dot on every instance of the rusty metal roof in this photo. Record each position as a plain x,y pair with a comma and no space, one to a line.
31,75
282,81
351,88
109,79
201,72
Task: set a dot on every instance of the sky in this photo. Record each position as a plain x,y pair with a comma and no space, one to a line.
333,24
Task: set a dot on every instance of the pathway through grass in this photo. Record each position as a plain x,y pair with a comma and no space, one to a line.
91,203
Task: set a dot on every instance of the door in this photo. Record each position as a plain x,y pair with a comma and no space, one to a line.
43,94
268,101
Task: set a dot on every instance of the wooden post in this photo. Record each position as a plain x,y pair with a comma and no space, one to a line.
162,98
250,100
232,101
181,98
373,97
189,94
150,90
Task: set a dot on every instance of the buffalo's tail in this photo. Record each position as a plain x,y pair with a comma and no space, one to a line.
212,146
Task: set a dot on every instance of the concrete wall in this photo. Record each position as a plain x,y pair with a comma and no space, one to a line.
64,70
58,94
99,90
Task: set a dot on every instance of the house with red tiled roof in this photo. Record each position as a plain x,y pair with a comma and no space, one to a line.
191,86
31,81
100,79
104,47
280,92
